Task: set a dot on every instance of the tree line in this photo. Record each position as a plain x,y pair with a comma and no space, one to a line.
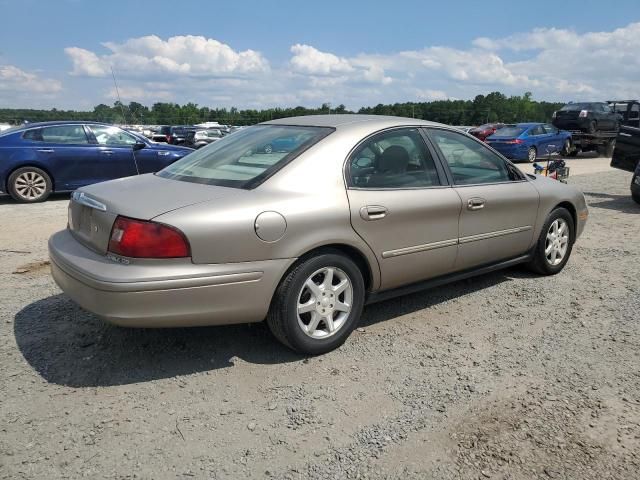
482,109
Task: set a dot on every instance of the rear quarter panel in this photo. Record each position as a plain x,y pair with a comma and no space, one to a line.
14,153
554,193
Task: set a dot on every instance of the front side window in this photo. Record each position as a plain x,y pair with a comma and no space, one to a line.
247,157
65,134
470,161
394,159
112,136
550,129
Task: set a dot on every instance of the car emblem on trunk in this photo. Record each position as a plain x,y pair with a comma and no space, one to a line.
84,199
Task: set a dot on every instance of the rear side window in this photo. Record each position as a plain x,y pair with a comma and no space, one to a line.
470,161
34,135
394,159
65,134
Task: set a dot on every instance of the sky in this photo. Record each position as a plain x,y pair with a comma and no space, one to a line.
262,54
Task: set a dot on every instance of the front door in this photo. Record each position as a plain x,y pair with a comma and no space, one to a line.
115,152
400,205
499,205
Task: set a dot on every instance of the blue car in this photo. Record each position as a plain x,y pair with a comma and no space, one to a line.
40,158
528,141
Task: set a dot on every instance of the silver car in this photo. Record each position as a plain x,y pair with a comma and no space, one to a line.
303,221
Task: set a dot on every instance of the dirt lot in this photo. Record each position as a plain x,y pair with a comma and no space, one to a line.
506,376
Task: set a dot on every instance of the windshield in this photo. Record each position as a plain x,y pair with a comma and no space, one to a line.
247,157
509,132
572,107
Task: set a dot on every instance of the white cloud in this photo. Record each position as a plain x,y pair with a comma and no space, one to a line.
554,64
13,79
312,61
185,55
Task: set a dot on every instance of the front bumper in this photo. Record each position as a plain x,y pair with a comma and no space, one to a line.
163,293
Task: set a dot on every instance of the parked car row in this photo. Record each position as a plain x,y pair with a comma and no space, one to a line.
194,136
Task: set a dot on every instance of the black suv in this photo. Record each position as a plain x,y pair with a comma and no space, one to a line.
172,135
588,117
200,138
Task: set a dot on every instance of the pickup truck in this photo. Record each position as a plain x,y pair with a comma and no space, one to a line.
626,156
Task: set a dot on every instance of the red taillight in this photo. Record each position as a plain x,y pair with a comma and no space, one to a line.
143,239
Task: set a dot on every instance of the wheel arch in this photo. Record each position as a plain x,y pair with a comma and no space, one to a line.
572,210
34,165
353,253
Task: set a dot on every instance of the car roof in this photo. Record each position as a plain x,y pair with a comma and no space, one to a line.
338,121
59,122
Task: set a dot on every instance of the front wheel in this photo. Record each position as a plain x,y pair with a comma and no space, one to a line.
29,185
318,303
532,154
555,243
566,148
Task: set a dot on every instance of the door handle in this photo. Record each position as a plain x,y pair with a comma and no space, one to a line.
106,152
46,150
373,212
475,203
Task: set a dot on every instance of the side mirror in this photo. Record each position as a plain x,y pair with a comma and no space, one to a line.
138,146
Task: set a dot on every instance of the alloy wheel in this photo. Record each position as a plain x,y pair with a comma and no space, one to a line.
324,302
532,155
557,241
30,185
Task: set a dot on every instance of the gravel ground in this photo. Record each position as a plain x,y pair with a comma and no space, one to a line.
505,376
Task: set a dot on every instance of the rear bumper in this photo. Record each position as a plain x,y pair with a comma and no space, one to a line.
171,293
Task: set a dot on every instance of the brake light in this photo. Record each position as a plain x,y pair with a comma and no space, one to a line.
583,113
144,239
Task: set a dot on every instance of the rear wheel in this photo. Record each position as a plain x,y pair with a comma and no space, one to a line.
532,154
29,185
317,304
555,243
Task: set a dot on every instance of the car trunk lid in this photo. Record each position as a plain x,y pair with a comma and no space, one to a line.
93,209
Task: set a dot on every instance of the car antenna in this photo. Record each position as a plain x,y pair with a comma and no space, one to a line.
124,118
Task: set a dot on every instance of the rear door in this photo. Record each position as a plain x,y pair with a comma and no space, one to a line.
402,206
114,152
499,206
627,152
67,152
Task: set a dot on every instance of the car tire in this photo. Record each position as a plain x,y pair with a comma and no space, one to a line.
268,148
566,148
555,243
298,315
573,153
29,185
532,154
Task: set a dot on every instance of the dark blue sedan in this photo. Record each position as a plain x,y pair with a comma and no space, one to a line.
40,158
528,141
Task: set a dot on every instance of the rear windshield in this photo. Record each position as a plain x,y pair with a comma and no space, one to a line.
509,132
572,107
247,157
